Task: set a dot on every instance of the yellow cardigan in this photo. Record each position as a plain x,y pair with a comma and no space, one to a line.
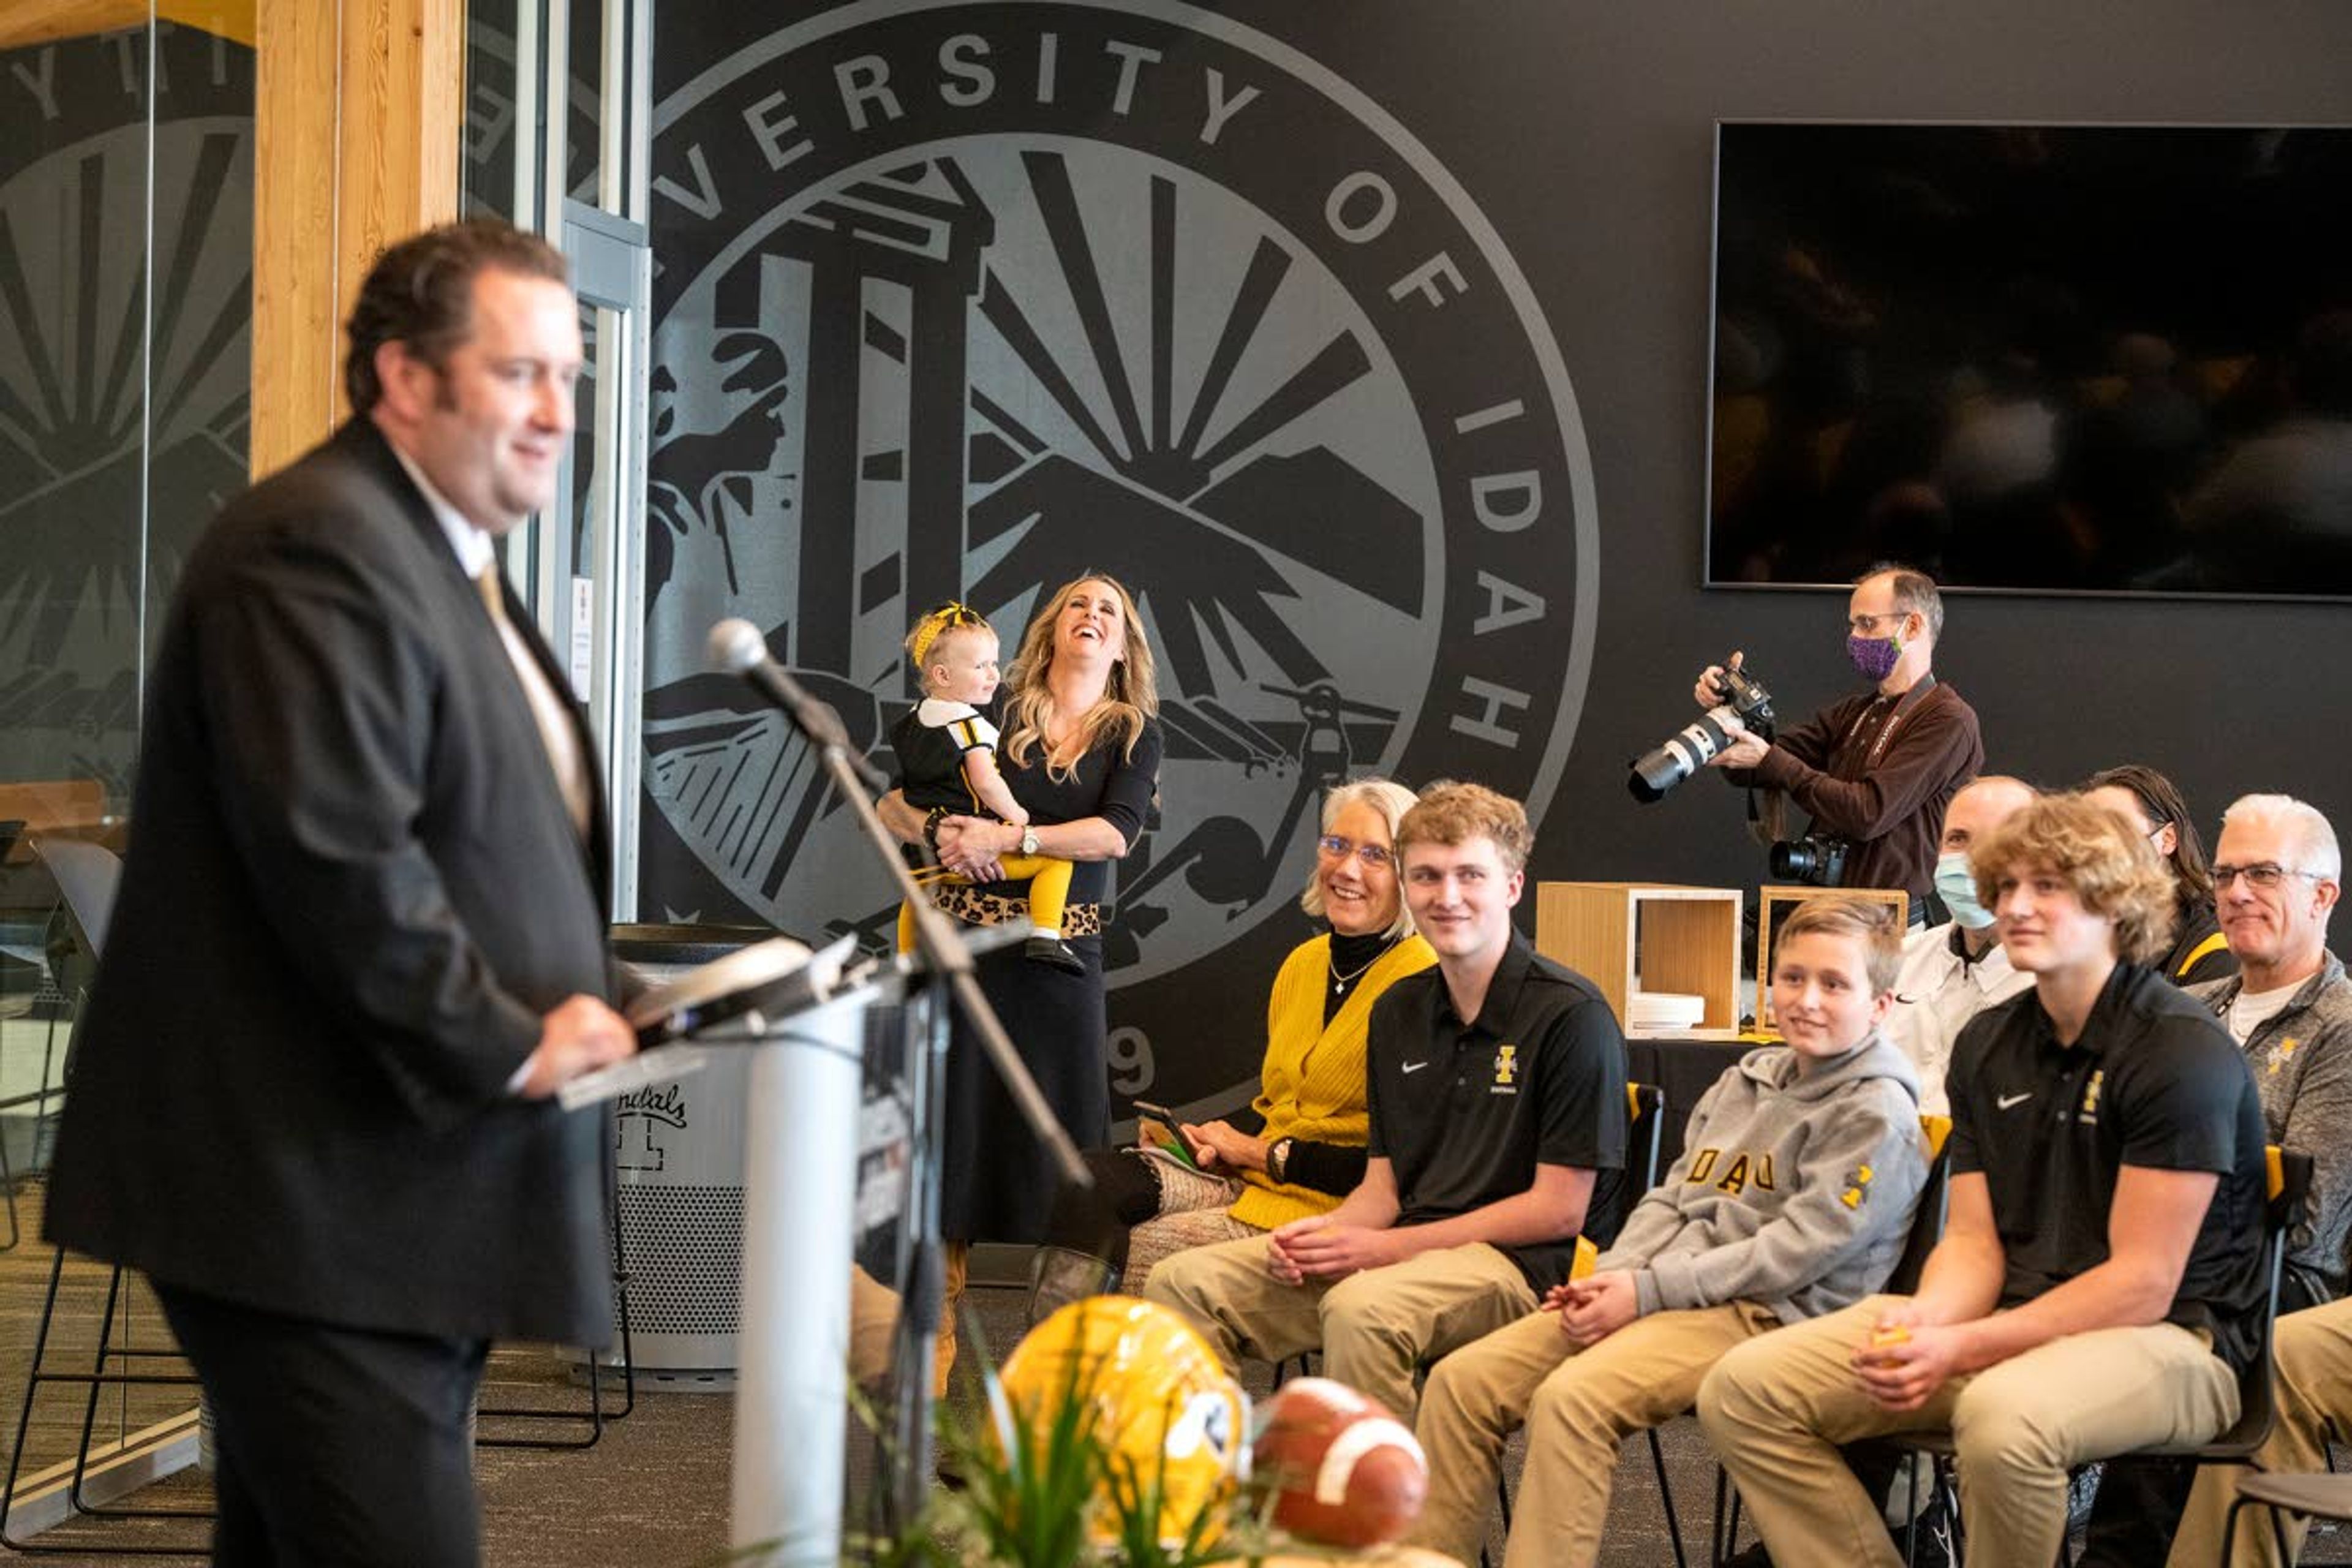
1312,1086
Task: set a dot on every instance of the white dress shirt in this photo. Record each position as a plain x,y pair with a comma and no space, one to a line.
1938,991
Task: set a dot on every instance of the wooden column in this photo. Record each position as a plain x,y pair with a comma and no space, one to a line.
356,145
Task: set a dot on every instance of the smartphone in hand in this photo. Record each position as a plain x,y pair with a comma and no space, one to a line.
1155,1127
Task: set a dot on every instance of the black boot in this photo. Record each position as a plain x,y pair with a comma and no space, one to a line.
1053,951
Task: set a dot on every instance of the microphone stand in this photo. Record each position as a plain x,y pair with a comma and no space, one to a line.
953,984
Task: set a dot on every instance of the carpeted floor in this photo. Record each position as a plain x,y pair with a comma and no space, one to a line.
650,1494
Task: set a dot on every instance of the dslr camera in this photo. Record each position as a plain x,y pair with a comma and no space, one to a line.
1817,860
1744,701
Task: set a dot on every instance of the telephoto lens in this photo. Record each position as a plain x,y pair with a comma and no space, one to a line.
1683,754
1746,704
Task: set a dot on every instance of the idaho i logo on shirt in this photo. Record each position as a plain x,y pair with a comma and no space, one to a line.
1507,1070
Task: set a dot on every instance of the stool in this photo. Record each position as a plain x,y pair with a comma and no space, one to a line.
98,1378
594,1416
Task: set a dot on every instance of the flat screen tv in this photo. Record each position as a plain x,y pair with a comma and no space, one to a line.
2108,359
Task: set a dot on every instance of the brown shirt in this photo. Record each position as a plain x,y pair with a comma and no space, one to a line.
1887,802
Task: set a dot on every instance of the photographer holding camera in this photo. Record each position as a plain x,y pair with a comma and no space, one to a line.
1877,769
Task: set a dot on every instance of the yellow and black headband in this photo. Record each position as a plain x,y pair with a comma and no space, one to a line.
952,615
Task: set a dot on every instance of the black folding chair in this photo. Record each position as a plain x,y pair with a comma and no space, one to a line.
593,1418
2302,1494
2289,1188
86,876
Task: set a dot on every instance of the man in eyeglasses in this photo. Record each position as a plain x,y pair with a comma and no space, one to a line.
1877,769
2277,877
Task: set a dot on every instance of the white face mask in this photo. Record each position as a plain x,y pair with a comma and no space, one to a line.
1957,885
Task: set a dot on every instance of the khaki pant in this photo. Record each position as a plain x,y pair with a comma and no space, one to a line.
1577,1406
1777,1409
1376,1328
2314,1355
955,1260
873,1323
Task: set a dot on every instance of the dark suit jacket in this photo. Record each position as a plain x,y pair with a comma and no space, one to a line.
352,890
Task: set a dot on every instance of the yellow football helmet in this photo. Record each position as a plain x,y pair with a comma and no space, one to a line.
1162,1403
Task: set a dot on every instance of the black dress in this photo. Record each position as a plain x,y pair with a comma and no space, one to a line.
998,1182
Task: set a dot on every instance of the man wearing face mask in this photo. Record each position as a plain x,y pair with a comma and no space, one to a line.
1955,971
1878,768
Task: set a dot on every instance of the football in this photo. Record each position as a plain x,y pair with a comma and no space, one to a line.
1343,1471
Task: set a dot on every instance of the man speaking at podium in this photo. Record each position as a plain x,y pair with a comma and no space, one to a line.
360,939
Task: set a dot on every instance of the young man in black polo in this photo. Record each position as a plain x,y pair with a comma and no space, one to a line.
1497,1084
2100,1276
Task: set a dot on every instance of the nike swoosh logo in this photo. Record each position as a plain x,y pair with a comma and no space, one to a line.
2006,1100
1415,1067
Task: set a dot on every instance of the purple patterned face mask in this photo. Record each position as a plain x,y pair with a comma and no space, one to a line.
1875,657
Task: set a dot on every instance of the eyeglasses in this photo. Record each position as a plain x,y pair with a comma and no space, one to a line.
2266,875
1376,855
1863,626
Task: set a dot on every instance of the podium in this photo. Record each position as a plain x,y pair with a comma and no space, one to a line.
793,1024
804,1025
677,1167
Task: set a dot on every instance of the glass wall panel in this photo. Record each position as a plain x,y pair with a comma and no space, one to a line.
495,103
506,104
126,261
126,224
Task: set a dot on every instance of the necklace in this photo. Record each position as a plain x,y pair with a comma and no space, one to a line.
1340,982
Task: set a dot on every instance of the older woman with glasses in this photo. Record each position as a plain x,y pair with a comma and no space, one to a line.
1299,1148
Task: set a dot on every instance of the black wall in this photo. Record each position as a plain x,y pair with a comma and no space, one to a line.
1583,132
1586,132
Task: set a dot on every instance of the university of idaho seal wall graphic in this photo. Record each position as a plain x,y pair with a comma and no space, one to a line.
126,264
958,300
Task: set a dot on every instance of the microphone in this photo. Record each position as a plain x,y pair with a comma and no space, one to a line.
736,647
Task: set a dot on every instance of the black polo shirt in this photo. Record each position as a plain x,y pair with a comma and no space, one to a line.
1465,1111
2154,1082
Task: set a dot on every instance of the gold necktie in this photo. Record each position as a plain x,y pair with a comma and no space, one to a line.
549,713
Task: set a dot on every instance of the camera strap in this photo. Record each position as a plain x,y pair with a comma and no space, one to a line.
1905,707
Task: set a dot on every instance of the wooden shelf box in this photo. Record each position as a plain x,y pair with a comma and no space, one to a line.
1649,936
1773,902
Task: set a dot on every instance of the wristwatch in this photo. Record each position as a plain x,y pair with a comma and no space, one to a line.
1277,1161
1028,840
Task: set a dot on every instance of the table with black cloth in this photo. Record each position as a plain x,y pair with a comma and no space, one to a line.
1683,1070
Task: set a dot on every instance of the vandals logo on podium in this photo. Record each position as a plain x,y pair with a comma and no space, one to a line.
957,301
637,1118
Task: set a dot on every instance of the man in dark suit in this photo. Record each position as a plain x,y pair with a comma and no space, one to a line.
360,939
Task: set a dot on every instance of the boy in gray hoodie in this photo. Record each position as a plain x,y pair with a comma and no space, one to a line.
1792,1198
